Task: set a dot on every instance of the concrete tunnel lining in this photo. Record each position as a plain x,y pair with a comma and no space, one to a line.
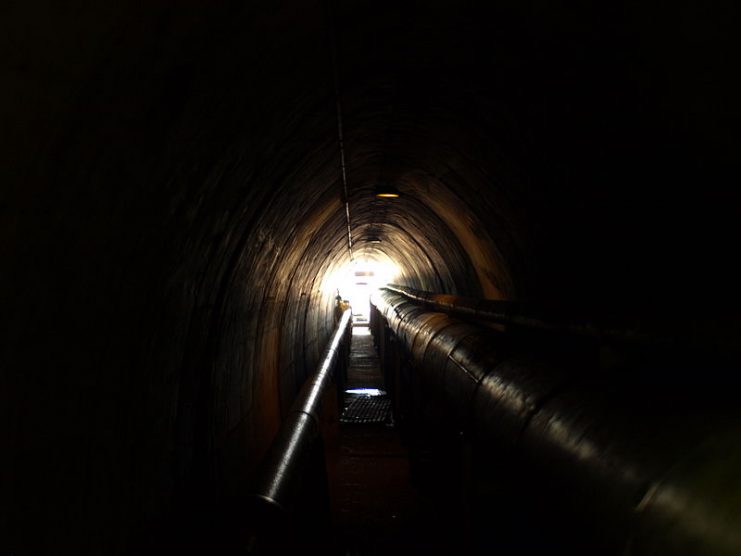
174,190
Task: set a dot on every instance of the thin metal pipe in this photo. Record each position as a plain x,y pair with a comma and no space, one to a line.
282,465
658,332
514,314
340,134
343,167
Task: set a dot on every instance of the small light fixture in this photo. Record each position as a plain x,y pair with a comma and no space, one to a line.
374,239
386,192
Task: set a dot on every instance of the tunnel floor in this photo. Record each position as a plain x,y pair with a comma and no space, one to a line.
378,503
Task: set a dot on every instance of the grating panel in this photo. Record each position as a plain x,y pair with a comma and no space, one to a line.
366,409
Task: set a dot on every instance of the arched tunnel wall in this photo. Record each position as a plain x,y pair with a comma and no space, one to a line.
173,202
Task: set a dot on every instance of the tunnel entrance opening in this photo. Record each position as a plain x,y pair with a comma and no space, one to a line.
355,282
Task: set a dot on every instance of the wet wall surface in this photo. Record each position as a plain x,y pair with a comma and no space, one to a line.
171,206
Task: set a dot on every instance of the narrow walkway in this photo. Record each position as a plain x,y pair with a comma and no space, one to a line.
365,401
373,502
365,368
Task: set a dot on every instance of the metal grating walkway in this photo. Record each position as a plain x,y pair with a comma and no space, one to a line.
374,506
365,402
366,409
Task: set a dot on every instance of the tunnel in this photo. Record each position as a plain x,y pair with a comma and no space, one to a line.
185,184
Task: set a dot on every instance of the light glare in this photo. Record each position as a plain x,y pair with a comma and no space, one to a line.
358,279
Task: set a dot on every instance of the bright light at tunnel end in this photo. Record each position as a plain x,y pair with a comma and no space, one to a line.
356,281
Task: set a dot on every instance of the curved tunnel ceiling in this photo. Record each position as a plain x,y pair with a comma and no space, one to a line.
175,202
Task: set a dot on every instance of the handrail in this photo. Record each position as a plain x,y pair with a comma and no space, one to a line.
282,465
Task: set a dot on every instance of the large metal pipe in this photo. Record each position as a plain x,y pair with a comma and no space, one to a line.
282,466
651,468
